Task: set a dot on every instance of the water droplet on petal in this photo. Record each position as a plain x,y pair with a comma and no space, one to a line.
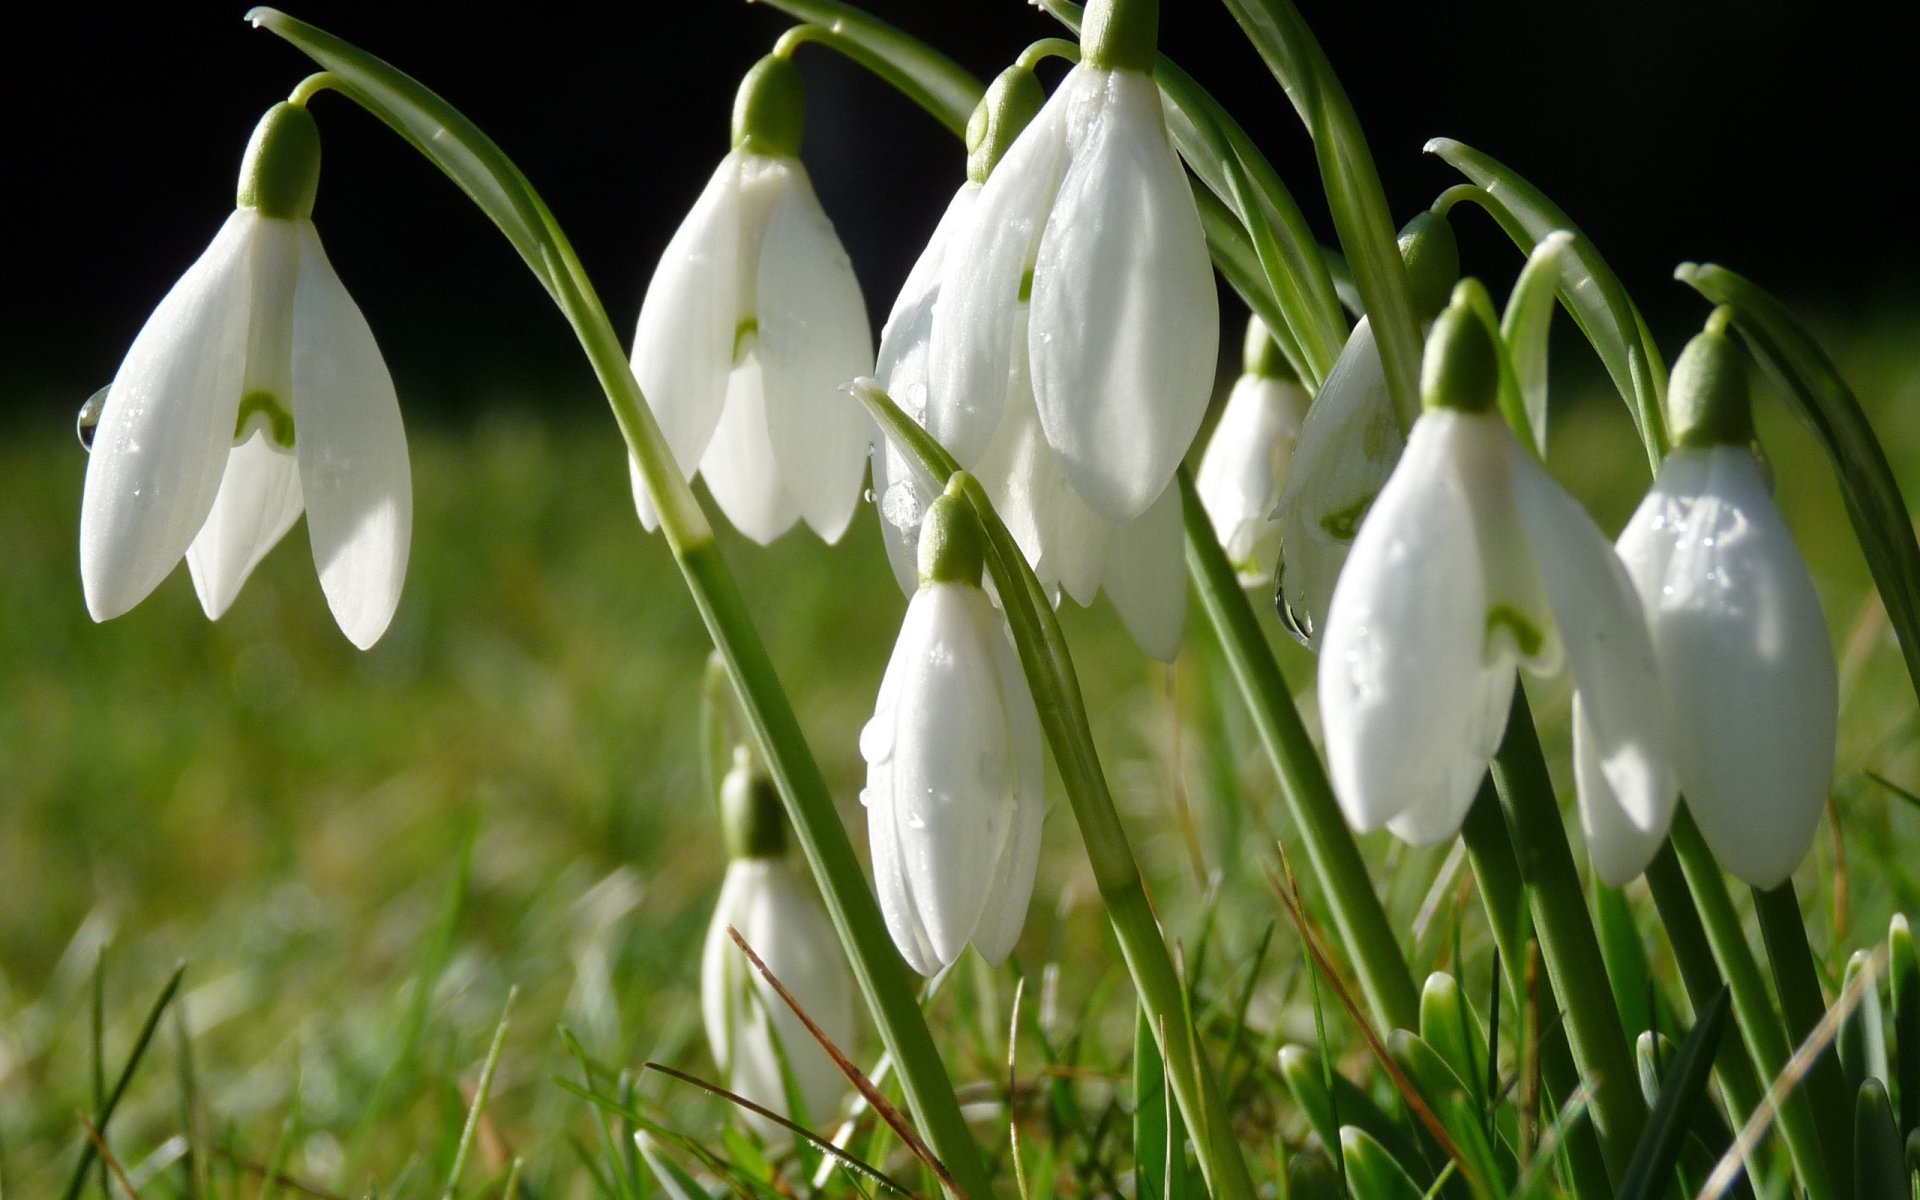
901,507
876,738
89,418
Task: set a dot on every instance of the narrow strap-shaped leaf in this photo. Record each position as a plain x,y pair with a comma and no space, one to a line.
1823,400
1903,969
1683,1088
910,66
1371,1171
1524,327
1879,1157
1151,1138
1588,287
1863,1036
1354,195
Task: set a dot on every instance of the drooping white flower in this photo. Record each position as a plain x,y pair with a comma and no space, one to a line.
751,329
749,1028
955,773
1246,462
253,392
1737,628
1089,222
1471,564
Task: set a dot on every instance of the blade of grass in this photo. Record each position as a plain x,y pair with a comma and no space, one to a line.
1796,981
1684,1087
104,1113
481,1091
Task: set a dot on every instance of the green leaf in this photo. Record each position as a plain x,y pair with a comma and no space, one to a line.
911,67
1879,1157
1347,1104
1449,1024
1367,231
1311,1176
1371,1171
1903,966
1682,1091
104,1110
1591,291
1862,1041
1524,327
1819,395
1152,1140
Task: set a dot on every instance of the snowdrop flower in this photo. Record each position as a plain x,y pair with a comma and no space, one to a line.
1089,224
1070,547
955,774
1737,628
752,327
1473,563
254,391
1246,462
749,1028
1350,440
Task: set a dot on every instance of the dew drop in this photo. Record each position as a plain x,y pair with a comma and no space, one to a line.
876,740
901,506
89,418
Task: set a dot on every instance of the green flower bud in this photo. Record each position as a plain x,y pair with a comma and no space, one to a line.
1461,369
281,172
770,109
1012,99
952,544
1260,355
1432,256
1707,400
1120,35
751,819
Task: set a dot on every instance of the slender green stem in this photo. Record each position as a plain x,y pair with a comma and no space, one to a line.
1502,893
1568,945
477,164
1752,1008
1687,938
1048,665
1335,859
1797,983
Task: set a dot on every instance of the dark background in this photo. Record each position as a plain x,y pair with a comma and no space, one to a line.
1776,137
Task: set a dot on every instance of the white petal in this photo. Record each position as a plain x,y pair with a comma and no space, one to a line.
1146,576
259,501
974,325
1347,447
1012,887
906,337
683,346
352,452
1411,699
723,967
167,426
814,341
740,467
786,926
1125,331
901,498
1244,468
1621,724
1745,653
878,740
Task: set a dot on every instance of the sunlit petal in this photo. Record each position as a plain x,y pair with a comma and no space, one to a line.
259,500
1146,579
1245,467
740,467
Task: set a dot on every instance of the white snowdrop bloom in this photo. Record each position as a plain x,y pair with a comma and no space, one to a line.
1245,466
955,773
749,1028
751,329
254,391
1089,222
1737,628
1472,564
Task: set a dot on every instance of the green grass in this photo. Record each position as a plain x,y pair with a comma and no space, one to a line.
289,817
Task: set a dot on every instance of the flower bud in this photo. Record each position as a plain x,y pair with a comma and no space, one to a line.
281,172
750,813
770,110
1011,101
1707,400
1432,256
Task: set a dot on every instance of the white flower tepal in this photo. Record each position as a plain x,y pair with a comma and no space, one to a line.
955,771
1247,459
254,391
751,329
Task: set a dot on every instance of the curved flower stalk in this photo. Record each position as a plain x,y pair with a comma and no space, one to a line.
752,327
254,392
1349,442
1246,462
1473,564
1069,545
751,1031
1737,628
955,773
1089,225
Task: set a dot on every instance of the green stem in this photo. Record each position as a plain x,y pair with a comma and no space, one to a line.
477,164
1797,983
1687,938
1050,673
1502,892
1568,945
1342,874
1753,1011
